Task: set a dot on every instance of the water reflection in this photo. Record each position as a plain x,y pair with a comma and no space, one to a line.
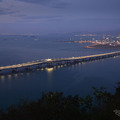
9,77
2,77
16,76
73,66
65,64
28,74
49,72
38,69
58,66
21,73
42,68
61,66
9,80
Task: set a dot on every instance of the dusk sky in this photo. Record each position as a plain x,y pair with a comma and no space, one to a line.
58,16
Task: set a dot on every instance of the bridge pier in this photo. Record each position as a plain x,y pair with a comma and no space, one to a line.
68,62
84,59
41,64
38,66
63,62
0,72
15,70
44,65
49,63
79,60
49,66
60,63
100,57
97,58
54,64
27,68
76,61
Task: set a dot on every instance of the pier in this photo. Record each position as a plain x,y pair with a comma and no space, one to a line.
49,63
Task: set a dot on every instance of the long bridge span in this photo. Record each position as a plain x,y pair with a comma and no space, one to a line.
47,63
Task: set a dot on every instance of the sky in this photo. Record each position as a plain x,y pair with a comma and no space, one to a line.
58,16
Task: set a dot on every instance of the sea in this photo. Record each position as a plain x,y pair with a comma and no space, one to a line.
75,79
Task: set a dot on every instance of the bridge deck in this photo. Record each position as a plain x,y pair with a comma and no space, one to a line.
55,60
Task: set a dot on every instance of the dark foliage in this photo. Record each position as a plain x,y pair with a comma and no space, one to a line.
55,106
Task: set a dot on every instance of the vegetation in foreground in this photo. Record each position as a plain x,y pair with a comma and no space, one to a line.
55,106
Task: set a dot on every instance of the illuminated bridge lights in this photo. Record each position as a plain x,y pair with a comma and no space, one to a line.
50,63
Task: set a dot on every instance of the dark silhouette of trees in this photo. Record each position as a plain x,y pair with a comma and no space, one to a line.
56,106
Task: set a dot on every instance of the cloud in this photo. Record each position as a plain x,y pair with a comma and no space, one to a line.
6,11
61,5
51,3
37,1
20,15
98,5
41,17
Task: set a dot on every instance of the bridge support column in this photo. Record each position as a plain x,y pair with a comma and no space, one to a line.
49,66
0,72
38,66
27,68
15,70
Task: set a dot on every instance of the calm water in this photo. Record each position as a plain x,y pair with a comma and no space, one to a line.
74,79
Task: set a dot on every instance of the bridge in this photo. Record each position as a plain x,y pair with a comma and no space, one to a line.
48,63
